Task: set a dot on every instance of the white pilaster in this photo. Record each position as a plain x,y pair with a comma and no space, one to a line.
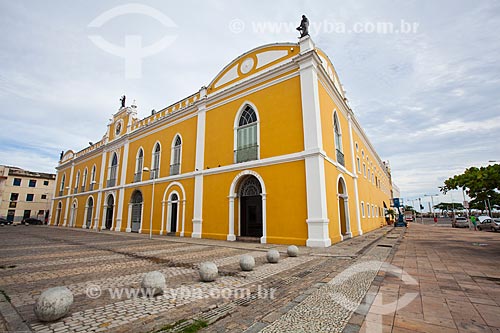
317,214
200,160
263,239
68,198
100,189
183,217
355,173
162,218
121,192
129,218
230,235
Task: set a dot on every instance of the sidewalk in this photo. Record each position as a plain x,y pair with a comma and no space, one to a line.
454,277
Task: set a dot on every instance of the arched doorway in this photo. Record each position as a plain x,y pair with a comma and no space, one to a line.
58,213
72,220
250,207
345,229
174,208
90,211
110,203
136,216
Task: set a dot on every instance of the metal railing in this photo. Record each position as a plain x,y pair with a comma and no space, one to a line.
175,169
246,154
137,177
340,157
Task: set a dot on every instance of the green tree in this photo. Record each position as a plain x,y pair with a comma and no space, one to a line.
481,184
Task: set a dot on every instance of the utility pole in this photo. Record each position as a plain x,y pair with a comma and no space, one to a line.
420,209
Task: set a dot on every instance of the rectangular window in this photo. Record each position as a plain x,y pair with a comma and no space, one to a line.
367,209
364,170
362,209
44,196
13,204
27,213
359,164
17,182
29,197
14,196
247,148
32,183
46,182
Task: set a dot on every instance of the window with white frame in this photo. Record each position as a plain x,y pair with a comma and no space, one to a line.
338,139
368,209
155,168
77,181
84,180
113,171
139,165
358,162
362,209
175,165
247,145
61,188
92,178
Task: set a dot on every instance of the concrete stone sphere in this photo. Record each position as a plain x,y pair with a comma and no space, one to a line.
208,271
273,256
247,262
53,303
153,283
292,251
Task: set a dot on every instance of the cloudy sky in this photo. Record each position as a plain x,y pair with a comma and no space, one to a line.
426,93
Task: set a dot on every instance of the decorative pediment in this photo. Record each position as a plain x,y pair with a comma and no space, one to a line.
252,62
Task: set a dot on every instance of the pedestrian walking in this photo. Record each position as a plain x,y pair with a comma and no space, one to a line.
474,221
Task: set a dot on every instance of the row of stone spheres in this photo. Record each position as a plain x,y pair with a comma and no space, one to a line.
55,303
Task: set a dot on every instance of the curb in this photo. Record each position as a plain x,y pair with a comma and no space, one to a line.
13,320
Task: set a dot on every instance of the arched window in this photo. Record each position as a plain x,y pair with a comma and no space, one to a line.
338,139
139,164
113,171
77,181
175,166
84,180
92,178
247,146
63,180
136,217
155,168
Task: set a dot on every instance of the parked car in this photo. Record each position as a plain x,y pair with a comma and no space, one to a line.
31,220
4,221
487,223
460,222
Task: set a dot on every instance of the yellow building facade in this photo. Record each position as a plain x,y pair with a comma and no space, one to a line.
269,150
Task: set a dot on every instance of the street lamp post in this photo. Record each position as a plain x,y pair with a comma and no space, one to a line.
420,209
432,201
146,169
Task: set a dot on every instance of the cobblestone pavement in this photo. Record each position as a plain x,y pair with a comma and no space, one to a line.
455,279
104,270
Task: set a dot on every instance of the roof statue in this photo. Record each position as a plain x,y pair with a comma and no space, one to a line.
303,27
123,101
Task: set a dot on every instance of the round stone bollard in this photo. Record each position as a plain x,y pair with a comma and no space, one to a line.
153,283
53,303
292,251
247,262
208,271
273,256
